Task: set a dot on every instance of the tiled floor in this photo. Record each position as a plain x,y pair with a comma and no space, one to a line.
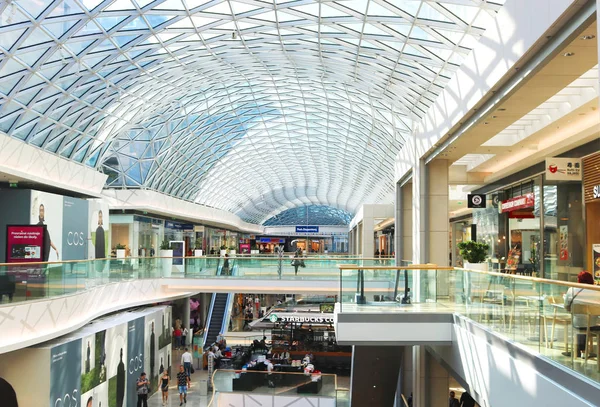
194,397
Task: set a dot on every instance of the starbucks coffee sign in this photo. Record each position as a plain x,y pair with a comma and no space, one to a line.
302,318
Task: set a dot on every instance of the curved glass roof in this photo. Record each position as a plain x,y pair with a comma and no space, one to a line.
251,106
310,215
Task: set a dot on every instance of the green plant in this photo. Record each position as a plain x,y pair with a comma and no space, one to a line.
165,245
473,252
223,247
198,243
120,246
231,247
254,246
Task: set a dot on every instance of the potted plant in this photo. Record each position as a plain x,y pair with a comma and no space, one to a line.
166,254
474,255
223,250
198,248
232,250
121,250
254,248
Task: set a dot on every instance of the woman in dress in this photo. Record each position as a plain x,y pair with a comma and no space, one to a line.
164,387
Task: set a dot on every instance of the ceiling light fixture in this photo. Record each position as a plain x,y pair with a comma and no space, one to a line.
568,54
588,37
502,109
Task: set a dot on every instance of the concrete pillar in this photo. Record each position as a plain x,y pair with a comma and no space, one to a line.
398,222
375,371
368,242
407,222
438,221
437,383
185,318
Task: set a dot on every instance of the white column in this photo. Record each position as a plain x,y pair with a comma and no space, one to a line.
368,246
438,243
407,222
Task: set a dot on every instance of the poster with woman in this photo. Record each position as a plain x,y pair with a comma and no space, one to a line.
99,237
47,209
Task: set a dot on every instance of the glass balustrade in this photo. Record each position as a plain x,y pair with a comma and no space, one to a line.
32,281
535,313
283,382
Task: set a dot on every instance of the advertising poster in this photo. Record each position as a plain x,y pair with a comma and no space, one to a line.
75,229
151,349
564,242
596,260
135,350
47,209
24,243
116,359
65,374
165,338
178,248
99,229
94,388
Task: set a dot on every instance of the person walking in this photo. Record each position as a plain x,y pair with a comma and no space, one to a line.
183,383
452,400
186,362
466,400
177,335
143,388
225,269
164,387
296,262
184,335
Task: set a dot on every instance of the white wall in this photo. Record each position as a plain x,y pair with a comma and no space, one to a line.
155,202
33,164
518,26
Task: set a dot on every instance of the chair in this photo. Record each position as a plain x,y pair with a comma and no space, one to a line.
591,331
494,298
564,320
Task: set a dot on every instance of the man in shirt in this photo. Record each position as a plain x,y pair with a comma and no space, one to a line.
452,400
183,382
186,362
143,387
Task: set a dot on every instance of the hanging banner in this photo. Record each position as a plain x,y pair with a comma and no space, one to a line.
563,169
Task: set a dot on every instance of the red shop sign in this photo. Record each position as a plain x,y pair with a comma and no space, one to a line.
520,202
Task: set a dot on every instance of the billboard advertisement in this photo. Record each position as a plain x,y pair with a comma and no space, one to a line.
94,388
75,229
99,232
47,209
116,359
24,243
135,350
65,374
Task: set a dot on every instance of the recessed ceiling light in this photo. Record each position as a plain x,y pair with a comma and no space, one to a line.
485,123
588,37
568,54
501,109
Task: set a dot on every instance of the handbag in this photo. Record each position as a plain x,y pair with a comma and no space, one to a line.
192,370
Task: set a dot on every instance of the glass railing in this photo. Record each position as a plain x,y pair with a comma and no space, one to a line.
33,281
284,381
548,317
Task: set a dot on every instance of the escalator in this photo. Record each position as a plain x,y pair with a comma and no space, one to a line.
217,316
220,308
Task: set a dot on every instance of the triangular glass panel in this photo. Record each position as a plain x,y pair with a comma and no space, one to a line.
65,8
429,13
59,29
34,8
136,24
77,47
122,40
89,29
91,4
109,22
12,15
35,37
155,20
170,5
121,5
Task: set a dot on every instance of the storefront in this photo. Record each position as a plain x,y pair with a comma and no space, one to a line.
136,234
177,231
591,182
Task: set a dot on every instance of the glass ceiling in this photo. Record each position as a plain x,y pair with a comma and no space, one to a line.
251,106
311,215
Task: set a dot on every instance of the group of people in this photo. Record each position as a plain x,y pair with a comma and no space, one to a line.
465,400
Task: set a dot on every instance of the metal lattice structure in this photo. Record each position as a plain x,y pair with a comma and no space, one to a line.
251,106
311,215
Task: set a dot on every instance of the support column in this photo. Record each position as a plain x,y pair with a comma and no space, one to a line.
185,318
407,222
398,225
368,229
438,222
375,371
437,382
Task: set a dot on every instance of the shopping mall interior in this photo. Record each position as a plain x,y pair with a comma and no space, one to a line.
352,203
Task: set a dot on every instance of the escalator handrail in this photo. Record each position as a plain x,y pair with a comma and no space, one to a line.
229,303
